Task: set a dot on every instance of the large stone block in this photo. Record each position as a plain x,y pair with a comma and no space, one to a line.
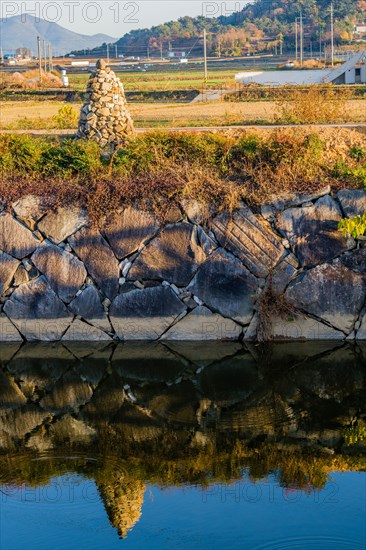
37,311
145,314
355,260
89,306
175,256
63,271
297,327
128,229
250,238
79,332
361,332
15,239
202,324
8,267
30,207
65,221
331,292
353,202
98,258
289,200
8,332
313,232
226,286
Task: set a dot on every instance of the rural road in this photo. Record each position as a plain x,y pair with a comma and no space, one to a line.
361,126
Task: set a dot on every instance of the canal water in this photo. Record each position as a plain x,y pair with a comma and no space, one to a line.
183,445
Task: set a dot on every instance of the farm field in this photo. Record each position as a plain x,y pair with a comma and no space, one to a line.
38,115
153,81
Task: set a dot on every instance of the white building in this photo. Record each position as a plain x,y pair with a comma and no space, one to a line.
352,71
360,28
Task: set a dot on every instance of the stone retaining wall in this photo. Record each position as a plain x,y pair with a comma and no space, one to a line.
186,279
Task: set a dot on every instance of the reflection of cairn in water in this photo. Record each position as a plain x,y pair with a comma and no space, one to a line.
123,501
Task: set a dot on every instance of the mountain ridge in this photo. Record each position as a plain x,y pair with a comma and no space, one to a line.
22,33
260,21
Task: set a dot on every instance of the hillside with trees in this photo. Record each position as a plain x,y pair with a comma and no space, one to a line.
259,27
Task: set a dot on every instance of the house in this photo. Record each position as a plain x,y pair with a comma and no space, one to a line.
352,71
359,28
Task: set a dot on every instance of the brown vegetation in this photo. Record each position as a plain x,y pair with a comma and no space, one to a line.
29,80
158,169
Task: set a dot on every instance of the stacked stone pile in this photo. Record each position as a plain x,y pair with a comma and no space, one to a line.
137,279
104,116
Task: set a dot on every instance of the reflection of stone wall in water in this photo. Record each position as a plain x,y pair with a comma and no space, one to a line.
173,412
104,116
140,279
123,500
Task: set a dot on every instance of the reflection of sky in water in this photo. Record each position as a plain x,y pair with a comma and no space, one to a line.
69,513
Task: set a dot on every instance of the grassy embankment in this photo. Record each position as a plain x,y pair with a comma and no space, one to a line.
158,169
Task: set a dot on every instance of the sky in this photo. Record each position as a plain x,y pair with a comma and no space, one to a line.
115,17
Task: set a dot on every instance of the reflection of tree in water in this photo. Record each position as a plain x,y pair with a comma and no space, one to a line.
123,499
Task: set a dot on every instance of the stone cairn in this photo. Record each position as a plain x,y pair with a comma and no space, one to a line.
104,116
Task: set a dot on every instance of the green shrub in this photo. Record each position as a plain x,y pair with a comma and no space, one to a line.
166,147
353,227
357,153
20,153
66,118
71,157
248,147
351,174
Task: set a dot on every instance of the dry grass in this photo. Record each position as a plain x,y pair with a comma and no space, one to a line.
29,80
316,104
271,305
158,169
38,115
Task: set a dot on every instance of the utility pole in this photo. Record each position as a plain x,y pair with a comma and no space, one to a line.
219,47
44,56
161,51
332,31
205,54
116,49
301,40
49,58
148,51
320,43
108,54
296,41
39,58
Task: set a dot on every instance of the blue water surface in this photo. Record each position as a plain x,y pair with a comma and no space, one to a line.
68,513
